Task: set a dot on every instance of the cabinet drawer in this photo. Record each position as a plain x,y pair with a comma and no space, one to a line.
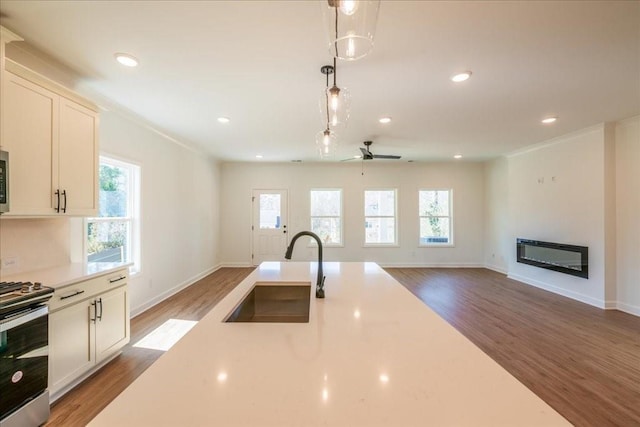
80,291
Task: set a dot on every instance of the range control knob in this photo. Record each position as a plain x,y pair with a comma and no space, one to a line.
26,287
37,286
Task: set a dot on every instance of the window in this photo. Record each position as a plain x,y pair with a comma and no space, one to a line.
326,216
435,217
270,211
380,217
114,236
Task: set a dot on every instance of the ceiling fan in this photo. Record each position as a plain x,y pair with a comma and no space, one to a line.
368,155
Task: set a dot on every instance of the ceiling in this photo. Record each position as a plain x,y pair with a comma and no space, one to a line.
258,62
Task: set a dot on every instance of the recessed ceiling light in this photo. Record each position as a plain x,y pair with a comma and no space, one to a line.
258,156
461,77
224,119
549,120
385,120
126,59
457,156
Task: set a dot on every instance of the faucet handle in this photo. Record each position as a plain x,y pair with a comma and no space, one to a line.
320,288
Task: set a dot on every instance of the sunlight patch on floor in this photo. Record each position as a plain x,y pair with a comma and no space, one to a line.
166,335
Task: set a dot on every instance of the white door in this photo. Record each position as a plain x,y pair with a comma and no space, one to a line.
269,225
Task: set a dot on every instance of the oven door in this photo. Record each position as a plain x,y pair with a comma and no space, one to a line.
24,357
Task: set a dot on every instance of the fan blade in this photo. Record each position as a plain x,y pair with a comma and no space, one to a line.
366,154
351,158
385,156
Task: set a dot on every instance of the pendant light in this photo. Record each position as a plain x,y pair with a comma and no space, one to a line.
335,102
326,143
350,26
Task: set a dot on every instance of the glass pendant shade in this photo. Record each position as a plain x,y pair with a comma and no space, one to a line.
326,143
350,26
335,107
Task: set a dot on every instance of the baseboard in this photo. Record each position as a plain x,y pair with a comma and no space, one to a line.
628,308
170,292
496,268
556,290
236,265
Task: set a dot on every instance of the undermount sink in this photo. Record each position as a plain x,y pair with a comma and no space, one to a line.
275,302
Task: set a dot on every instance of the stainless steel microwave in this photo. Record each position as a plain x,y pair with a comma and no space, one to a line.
4,182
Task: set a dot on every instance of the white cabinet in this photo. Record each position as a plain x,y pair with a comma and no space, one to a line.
53,146
78,158
88,324
112,325
71,340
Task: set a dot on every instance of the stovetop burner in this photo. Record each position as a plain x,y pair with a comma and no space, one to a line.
17,295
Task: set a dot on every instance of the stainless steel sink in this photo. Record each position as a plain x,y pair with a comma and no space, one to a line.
276,302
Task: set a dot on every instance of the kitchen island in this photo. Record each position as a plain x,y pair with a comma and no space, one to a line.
372,354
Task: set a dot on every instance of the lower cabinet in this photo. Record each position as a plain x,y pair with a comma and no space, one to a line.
83,333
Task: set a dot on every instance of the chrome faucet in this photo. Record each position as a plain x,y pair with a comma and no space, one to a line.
320,281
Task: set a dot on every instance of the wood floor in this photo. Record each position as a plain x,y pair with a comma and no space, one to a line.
583,361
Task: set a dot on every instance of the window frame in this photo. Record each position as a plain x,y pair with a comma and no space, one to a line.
133,212
396,242
312,242
448,244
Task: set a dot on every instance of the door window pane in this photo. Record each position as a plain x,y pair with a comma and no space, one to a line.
270,211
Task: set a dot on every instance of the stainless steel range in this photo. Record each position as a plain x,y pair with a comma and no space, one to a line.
24,354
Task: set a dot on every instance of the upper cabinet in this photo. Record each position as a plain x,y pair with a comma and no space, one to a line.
52,140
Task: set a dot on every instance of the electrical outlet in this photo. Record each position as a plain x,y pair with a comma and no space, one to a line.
9,262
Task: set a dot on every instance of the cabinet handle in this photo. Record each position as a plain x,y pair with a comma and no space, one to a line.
71,295
99,316
64,193
117,279
57,193
93,304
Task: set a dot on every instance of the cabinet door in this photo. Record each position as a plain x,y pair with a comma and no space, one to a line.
112,324
71,344
30,136
78,158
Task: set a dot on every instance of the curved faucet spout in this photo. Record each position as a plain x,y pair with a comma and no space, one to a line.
320,281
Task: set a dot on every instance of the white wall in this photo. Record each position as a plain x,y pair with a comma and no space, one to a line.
180,208
582,188
557,194
466,180
628,214
497,243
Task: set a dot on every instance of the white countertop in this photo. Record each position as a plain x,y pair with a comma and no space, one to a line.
372,354
67,274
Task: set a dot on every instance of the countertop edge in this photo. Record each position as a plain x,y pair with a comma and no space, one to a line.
68,274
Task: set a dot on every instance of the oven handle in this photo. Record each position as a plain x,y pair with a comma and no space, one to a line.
25,318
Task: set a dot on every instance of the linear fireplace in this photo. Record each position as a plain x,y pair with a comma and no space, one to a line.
569,259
